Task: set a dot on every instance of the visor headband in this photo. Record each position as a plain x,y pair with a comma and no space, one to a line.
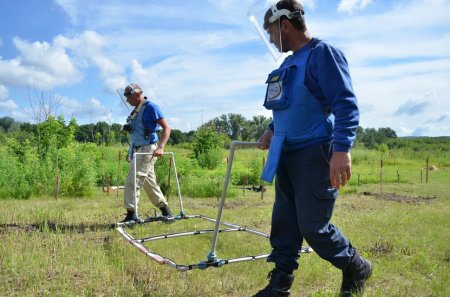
278,13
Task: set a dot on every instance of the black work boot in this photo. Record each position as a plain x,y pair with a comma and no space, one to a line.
279,284
131,217
355,275
165,211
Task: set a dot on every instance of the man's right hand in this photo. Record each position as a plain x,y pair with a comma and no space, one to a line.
127,158
264,140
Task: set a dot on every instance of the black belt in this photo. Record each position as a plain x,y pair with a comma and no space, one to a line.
139,146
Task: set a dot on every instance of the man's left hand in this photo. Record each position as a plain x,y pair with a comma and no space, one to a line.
158,152
340,169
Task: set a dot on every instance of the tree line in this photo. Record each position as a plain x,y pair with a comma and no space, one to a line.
228,127
231,126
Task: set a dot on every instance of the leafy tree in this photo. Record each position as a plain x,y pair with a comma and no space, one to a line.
207,147
22,136
84,133
383,148
259,124
236,123
220,124
6,123
177,137
387,132
55,134
98,138
236,127
2,137
119,136
28,127
102,129
247,131
372,138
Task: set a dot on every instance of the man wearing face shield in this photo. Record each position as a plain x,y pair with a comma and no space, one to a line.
308,152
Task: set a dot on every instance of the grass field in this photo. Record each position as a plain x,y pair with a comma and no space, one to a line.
68,248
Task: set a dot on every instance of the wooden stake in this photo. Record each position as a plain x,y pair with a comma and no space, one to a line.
381,176
56,191
218,189
262,182
118,174
108,179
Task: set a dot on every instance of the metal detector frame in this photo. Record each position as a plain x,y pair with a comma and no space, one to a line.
212,259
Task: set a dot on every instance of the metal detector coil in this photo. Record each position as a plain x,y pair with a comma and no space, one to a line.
212,260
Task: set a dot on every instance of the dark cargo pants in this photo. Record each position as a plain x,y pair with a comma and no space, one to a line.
304,203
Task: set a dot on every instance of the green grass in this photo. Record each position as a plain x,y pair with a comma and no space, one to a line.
68,248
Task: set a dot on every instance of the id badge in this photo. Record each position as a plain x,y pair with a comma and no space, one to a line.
277,93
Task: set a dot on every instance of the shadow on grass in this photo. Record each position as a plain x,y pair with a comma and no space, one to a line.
56,228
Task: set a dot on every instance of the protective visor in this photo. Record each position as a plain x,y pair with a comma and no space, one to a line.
265,14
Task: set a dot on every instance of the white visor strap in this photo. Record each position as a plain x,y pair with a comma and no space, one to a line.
278,13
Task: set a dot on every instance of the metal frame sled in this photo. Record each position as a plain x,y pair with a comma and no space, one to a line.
212,259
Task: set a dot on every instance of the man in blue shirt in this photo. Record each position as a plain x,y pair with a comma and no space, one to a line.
142,125
308,151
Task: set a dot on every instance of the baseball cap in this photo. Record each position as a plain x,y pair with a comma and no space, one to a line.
132,89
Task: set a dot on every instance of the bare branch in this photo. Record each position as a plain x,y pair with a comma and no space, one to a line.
43,104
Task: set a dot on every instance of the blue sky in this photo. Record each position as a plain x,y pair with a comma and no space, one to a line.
200,59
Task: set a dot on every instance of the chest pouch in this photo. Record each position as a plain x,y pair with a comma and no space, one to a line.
277,94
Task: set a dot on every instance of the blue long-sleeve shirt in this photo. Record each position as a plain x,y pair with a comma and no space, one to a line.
328,79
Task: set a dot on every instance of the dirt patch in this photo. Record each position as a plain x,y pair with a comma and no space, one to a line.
400,198
53,227
381,247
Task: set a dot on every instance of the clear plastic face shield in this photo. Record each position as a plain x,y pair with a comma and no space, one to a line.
265,17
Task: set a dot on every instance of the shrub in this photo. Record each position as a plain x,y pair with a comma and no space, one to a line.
207,147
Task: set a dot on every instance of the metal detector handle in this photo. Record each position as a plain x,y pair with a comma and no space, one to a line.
212,254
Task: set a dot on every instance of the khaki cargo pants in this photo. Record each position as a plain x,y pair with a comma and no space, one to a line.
145,177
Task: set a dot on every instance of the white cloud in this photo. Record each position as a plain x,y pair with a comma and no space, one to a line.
7,105
420,131
437,118
412,107
88,48
39,65
310,4
3,92
46,66
113,83
71,8
91,110
145,77
351,5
